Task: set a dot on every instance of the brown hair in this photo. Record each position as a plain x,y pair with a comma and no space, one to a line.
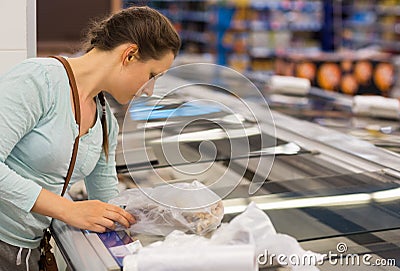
146,27
151,31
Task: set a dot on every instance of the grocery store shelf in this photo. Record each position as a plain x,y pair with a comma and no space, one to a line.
236,31
367,23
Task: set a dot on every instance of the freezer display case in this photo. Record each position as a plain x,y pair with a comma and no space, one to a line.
317,184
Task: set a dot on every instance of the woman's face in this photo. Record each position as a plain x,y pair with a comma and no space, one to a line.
135,74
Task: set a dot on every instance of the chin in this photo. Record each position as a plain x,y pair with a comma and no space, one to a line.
124,101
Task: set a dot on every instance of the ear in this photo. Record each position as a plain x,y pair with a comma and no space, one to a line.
131,53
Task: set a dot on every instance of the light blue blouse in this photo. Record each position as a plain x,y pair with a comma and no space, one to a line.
37,133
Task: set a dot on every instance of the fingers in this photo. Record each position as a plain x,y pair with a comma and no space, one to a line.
119,215
122,212
97,228
107,223
98,216
114,216
102,225
128,216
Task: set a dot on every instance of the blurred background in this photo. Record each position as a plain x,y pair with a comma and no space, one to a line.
258,37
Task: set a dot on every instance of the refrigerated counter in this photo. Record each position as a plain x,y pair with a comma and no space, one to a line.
319,185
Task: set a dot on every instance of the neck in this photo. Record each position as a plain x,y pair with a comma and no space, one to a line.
90,71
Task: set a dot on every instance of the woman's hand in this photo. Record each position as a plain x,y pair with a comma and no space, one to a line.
97,216
91,215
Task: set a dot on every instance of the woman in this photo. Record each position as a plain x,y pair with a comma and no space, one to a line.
38,130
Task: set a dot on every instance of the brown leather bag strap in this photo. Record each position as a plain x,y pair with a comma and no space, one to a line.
77,106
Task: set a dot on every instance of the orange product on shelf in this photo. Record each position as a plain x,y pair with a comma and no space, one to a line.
328,76
349,84
346,72
306,69
384,76
346,65
363,72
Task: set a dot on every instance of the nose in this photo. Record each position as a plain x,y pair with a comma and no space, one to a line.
148,91
149,88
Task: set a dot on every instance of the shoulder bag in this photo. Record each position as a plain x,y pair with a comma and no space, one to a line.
47,260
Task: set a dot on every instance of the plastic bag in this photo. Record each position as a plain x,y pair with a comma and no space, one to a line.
262,234
163,209
246,241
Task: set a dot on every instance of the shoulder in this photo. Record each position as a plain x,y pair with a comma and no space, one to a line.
35,66
41,72
34,78
51,68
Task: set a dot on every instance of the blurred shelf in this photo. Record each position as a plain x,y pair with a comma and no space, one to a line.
395,45
388,10
181,15
190,18
261,29
371,23
258,25
237,32
303,6
188,35
373,26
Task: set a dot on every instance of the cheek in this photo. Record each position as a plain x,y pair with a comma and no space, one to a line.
122,89
128,87
137,85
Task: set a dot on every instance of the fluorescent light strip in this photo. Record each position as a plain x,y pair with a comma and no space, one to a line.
340,200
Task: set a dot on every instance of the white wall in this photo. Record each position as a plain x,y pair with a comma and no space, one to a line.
17,32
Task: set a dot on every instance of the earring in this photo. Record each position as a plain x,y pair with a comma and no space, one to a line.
132,55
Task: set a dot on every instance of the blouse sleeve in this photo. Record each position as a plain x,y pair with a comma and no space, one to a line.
23,101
